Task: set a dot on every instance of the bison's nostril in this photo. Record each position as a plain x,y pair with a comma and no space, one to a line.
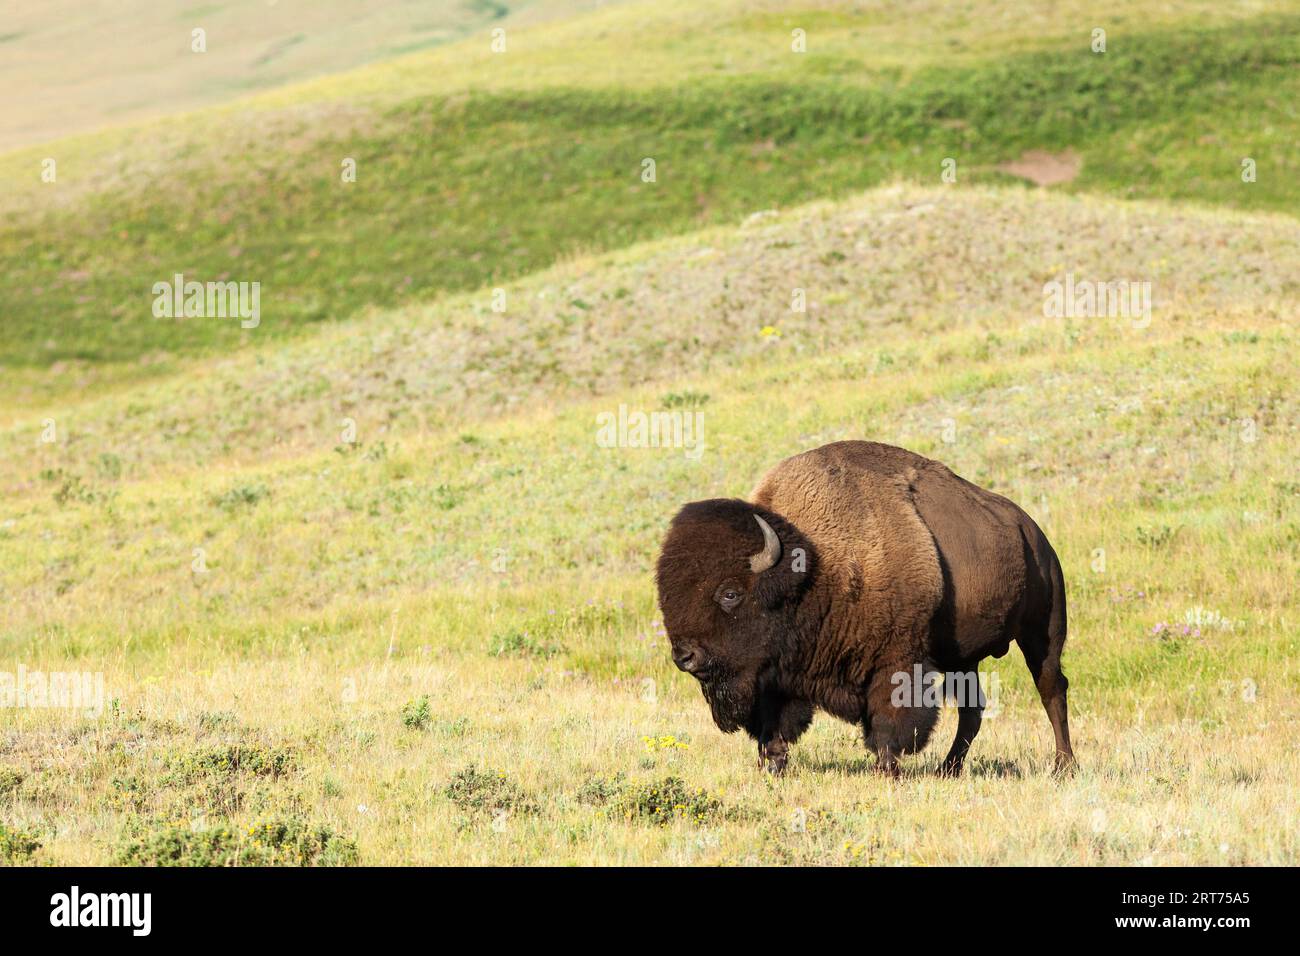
686,660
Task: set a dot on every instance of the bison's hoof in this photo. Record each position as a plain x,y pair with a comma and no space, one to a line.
772,759
1065,766
887,769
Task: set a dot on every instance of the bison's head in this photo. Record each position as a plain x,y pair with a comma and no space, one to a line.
730,576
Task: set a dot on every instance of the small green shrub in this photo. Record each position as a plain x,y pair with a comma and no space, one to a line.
243,496
110,466
447,497
72,489
415,715
228,760
16,844
129,792
10,780
276,842
485,791
456,727
599,790
665,801
1155,537
685,399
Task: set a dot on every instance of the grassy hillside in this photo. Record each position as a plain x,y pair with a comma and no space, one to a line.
363,586
458,187
384,628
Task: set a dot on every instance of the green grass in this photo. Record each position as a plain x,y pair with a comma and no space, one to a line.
458,192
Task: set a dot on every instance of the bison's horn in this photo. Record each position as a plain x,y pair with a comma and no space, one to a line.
758,563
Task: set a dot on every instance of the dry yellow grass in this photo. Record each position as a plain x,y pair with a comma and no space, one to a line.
1157,788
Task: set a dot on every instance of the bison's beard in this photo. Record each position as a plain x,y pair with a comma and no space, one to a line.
731,699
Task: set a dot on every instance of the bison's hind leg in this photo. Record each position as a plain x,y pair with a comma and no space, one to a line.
1052,684
969,718
1042,648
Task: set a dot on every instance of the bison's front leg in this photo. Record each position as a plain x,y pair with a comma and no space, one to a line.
782,723
773,755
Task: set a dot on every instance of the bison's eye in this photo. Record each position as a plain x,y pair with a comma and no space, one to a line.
728,596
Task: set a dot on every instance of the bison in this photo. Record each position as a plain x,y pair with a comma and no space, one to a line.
851,568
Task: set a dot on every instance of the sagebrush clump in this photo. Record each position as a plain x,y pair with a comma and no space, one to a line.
274,842
488,791
17,844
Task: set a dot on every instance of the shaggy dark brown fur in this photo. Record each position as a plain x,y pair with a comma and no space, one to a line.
886,560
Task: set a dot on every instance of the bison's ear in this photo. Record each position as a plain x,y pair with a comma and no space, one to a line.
785,581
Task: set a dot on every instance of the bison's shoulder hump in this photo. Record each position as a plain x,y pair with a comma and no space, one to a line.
854,502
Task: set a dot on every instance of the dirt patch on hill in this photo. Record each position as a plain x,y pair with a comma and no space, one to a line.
1045,169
